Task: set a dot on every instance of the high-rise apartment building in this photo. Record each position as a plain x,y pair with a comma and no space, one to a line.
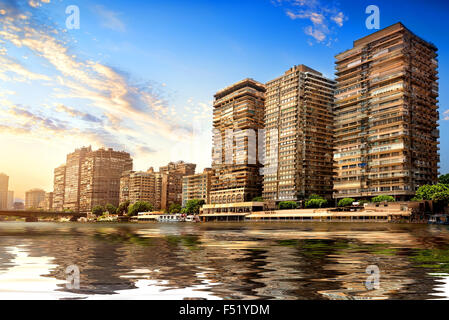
197,186
386,130
171,182
59,188
89,178
237,121
4,183
101,171
33,198
73,178
298,137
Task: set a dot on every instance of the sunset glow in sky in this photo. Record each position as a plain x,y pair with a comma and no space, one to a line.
140,76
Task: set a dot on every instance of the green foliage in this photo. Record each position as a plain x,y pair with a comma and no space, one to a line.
139,206
285,205
258,199
346,202
315,196
444,179
383,199
123,207
111,208
316,203
175,208
193,206
426,192
442,197
98,210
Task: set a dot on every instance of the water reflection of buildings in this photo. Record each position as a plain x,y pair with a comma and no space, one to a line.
278,261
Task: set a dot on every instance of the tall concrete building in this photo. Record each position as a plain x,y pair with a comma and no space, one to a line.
73,178
386,134
4,184
197,186
171,182
237,120
299,135
101,171
59,188
89,178
34,198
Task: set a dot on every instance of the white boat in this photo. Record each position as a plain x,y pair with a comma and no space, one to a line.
171,218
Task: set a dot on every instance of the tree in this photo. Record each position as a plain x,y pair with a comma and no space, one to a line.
139,206
98,210
441,197
444,179
285,205
426,192
316,203
175,208
111,208
123,207
193,206
383,199
315,196
258,199
346,202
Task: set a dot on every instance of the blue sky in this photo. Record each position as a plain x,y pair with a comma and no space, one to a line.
140,75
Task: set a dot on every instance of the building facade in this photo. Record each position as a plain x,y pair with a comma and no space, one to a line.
171,182
197,186
59,188
34,198
299,135
4,184
100,176
238,119
47,203
386,113
73,178
10,201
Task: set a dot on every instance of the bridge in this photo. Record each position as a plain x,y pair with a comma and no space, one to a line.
33,215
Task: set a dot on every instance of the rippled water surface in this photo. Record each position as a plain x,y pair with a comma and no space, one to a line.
223,261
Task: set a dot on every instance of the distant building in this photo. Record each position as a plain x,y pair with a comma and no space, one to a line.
4,181
19,206
72,184
171,186
197,186
238,116
10,200
100,176
59,188
124,186
47,203
141,186
34,198
89,178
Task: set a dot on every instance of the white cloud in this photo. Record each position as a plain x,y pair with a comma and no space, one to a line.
324,18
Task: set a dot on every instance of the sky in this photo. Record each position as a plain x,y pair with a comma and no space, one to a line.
140,76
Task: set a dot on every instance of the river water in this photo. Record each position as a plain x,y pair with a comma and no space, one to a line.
223,261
